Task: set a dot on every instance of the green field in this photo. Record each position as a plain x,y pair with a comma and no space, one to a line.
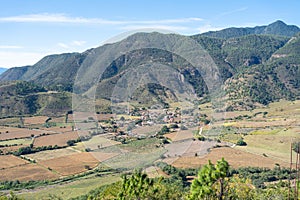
24,141
70,190
96,142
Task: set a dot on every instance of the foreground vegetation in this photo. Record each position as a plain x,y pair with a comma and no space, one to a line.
213,181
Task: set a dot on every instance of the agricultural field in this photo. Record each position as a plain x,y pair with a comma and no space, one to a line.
59,139
58,129
9,161
274,143
58,120
96,142
146,130
8,133
8,149
18,142
82,116
267,132
10,121
51,154
180,135
35,120
70,164
103,156
235,157
134,160
154,172
70,190
27,172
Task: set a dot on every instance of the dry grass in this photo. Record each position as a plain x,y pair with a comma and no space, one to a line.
266,123
22,141
26,173
81,116
154,172
8,161
12,133
177,148
58,129
10,149
180,135
51,154
101,117
102,156
96,142
58,119
72,164
144,130
235,157
55,139
35,120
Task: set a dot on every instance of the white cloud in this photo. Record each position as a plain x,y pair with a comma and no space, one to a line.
162,27
63,18
78,43
167,21
63,45
208,27
10,47
69,45
46,17
232,11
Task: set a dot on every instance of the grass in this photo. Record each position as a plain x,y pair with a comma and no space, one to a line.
144,145
274,143
147,130
136,154
94,142
229,124
71,190
134,160
235,157
25,141
282,108
265,132
233,138
50,154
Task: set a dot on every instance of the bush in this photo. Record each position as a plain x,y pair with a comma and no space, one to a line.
70,142
241,142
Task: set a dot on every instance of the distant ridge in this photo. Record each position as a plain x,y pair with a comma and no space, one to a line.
277,28
2,70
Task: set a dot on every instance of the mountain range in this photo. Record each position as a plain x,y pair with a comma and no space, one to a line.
257,66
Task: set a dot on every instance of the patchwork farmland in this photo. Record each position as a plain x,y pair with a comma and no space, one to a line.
58,149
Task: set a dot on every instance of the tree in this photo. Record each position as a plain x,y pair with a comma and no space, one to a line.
296,147
210,183
164,130
174,126
240,188
122,118
70,142
135,187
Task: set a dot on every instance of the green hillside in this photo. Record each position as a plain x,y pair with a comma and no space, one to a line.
277,78
26,98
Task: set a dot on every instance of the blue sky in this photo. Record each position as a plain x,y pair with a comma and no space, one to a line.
31,29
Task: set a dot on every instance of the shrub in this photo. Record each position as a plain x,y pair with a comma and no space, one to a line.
241,142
